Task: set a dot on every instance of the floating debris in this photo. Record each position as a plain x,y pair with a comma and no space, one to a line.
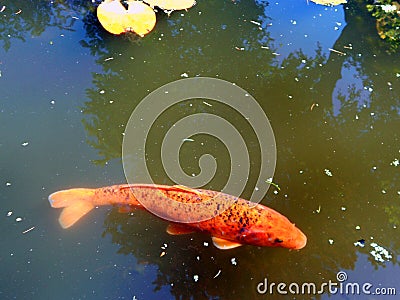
24,144
330,2
269,180
233,261
328,172
27,230
255,23
184,75
206,103
8,183
9,213
358,227
18,219
162,254
395,163
188,140
379,253
205,244
337,51
343,208
360,243
330,241
216,275
196,278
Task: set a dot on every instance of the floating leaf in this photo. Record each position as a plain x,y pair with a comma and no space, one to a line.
141,18
329,2
138,18
171,4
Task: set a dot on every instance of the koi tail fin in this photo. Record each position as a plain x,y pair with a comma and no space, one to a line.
76,203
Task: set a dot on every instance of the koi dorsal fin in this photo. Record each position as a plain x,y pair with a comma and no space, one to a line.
178,229
186,189
224,244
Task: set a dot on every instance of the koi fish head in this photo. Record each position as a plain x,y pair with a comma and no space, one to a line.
274,230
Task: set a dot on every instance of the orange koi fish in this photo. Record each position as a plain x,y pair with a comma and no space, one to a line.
241,222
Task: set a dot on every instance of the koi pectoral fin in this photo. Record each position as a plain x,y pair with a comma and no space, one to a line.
178,229
71,214
224,244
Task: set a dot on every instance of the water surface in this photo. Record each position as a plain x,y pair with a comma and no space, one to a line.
68,89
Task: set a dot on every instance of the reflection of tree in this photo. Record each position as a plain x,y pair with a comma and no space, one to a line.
189,44
348,140
312,135
22,18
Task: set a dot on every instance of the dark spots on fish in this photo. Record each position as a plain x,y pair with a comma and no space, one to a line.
278,241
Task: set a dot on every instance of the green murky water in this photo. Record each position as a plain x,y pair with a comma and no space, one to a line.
67,89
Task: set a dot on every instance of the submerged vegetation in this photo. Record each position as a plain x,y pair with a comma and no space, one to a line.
387,14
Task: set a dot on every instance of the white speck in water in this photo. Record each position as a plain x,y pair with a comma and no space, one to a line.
343,208
275,192
328,172
24,144
52,102
356,117
395,163
205,244
358,227
184,75
383,191
9,213
102,91
216,275
359,244
374,168
379,253
233,261
196,278
301,171
18,219
330,241
8,183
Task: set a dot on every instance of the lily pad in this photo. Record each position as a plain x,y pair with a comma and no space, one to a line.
116,19
330,2
171,4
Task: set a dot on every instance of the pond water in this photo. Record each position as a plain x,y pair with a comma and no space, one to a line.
322,76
